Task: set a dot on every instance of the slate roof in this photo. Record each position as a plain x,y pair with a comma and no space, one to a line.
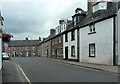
20,43
95,17
100,15
119,5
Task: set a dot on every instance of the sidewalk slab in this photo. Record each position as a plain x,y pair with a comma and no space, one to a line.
114,69
10,73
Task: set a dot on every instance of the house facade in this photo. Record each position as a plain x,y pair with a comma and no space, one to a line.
45,47
57,46
1,27
22,48
70,37
52,46
118,23
63,23
97,35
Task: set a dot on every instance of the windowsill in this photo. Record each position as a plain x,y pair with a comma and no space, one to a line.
91,33
73,40
72,55
92,56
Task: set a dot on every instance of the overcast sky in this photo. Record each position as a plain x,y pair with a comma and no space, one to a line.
35,18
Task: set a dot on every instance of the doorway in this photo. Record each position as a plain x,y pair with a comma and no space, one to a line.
66,53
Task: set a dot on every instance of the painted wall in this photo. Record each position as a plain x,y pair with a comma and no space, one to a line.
69,44
0,43
119,36
0,53
103,39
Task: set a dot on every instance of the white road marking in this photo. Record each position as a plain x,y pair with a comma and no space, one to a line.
24,75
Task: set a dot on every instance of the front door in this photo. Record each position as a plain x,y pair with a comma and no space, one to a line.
66,53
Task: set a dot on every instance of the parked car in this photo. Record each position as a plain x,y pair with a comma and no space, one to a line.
5,56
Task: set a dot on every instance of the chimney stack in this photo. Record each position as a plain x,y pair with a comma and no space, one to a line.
61,21
89,4
52,31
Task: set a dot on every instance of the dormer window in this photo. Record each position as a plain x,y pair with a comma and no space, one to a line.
92,29
101,5
78,10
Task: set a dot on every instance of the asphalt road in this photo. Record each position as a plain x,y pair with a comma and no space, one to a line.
45,70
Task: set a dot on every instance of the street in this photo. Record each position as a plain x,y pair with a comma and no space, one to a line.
39,69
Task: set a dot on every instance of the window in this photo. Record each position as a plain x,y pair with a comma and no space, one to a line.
72,35
66,37
14,48
73,51
92,50
33,48
53,42
101,5
26,48
95,7
92,29
59,40
74,21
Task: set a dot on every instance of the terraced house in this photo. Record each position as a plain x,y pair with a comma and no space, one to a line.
94,38
1,27
118,23
23,48
98,34
52,46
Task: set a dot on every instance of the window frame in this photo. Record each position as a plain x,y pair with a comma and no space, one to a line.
92,29
66,37
73,50
94,50
72,35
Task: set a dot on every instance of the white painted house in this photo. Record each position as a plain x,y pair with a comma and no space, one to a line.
70,37
62,26
97,35
118,23
1,26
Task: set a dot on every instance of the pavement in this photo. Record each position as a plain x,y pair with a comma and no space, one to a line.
109,68
12,73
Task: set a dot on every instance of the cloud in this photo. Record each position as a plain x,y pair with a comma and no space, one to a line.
36,17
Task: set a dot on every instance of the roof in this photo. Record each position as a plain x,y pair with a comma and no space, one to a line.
119,5
99,15
96,17
92,18
20,43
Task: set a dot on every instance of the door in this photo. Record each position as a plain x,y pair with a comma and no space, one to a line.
66,53
56,53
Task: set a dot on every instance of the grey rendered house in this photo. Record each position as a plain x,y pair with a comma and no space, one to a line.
118,23
44,48
57,46
98,34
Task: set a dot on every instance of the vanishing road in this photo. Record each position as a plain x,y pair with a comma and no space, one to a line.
39,69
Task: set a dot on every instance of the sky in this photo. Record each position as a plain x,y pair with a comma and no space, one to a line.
34,18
